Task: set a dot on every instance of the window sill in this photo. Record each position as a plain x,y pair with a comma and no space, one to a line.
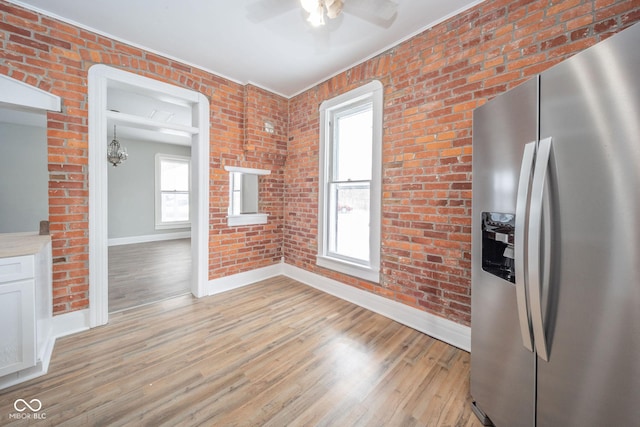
247,219
352,269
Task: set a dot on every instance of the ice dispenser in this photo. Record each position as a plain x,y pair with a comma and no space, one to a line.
497,244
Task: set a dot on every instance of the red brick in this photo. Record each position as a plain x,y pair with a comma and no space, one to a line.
432,82
29,42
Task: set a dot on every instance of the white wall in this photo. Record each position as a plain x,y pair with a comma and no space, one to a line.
23,178
131,189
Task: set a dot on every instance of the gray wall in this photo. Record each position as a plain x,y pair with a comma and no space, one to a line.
131,189
23,178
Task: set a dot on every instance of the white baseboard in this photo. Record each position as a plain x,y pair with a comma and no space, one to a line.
70,323
440,328
437,327
239,280
116,241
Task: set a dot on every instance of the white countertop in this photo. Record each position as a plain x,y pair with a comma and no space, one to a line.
20,244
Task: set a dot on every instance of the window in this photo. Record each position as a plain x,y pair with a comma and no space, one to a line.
172,191
244,193
350,182
235,183
243,196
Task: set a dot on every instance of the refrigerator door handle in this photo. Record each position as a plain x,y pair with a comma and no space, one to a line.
534,240
520,247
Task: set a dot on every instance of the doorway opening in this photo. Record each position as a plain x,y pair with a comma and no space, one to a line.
116,99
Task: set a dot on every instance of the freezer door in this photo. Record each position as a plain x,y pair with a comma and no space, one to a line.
590,107
502,369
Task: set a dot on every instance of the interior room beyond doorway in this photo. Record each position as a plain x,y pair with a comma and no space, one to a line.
142,273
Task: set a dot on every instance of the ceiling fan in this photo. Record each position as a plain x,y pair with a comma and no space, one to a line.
316,10
378,12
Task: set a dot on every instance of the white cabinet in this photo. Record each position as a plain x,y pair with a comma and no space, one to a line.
18,335
25,312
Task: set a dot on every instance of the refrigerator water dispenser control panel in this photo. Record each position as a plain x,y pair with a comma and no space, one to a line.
498,231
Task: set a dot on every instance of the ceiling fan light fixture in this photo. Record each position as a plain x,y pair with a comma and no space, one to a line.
309,6
334,7
316,17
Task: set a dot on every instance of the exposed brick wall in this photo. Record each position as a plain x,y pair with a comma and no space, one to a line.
55,56
432,84
249,247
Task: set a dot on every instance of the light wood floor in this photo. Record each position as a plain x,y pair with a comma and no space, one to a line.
147,272
276,353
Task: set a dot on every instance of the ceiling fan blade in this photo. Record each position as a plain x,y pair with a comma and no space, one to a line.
378,12
334,7
261,10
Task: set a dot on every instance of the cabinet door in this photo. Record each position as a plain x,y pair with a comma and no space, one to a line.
17,335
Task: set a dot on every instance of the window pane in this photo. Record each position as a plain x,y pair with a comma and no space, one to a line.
352,153
175,207
349,220
174,175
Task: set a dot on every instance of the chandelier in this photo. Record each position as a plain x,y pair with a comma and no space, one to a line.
116,154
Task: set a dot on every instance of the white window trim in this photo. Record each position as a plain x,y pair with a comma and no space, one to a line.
245,219
371,270
247,170
158,199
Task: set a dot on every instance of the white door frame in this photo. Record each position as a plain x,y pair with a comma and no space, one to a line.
100,78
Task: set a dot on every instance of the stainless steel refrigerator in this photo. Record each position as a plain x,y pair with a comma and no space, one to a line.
555,319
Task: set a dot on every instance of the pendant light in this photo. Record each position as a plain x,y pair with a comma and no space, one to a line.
116,154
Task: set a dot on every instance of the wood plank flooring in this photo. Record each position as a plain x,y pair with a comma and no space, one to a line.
275,353
147,272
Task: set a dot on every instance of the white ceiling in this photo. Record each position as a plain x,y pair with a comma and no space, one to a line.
271,47
127,101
